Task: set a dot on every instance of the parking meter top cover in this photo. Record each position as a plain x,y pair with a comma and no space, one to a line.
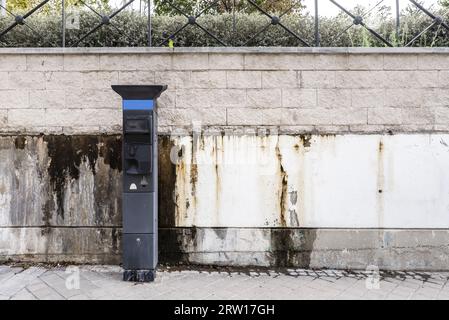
139,92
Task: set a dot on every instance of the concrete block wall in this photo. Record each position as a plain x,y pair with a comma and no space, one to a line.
350,90
337,134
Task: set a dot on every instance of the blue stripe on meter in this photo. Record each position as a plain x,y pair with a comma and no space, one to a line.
138,104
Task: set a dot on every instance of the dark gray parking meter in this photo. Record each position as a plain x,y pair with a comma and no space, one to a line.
139,153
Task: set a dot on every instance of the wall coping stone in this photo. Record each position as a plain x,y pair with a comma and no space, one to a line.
223,50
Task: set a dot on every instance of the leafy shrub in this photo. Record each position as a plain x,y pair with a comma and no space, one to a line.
131,29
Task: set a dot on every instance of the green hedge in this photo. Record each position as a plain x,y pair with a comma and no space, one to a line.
131,30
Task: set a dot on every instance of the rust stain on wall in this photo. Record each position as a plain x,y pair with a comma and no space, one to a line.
181,193
193,176
219,155
283,187
380,182
167,182
306,140
197,142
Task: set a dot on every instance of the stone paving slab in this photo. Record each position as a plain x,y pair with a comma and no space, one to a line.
104,282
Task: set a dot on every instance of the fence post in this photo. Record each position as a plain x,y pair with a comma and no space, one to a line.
234,26
398,23
63,23
149,23
317,25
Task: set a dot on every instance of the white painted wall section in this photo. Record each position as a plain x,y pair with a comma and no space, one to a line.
322,181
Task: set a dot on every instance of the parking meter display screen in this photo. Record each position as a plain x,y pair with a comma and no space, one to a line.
137,124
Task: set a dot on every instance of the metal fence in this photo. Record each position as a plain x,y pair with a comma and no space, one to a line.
191,20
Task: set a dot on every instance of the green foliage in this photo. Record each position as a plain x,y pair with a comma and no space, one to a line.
444,3
26,5
189,7
21,5
130,29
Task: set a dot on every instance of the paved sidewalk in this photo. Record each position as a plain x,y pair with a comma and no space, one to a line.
104,282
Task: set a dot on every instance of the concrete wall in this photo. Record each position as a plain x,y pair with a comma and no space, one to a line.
268,156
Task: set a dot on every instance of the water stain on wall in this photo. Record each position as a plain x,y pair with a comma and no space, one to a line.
20,142
66,154
111,151
108,189
292,247
167,182
64,197
172,248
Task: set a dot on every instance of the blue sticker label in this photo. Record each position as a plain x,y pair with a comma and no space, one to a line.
138,104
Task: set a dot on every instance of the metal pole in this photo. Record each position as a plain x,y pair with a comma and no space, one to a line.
63,23
317,25
398,24
149,23
234,27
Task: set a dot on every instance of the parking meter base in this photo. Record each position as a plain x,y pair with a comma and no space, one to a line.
139,275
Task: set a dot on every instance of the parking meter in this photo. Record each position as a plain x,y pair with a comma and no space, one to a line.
139,156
